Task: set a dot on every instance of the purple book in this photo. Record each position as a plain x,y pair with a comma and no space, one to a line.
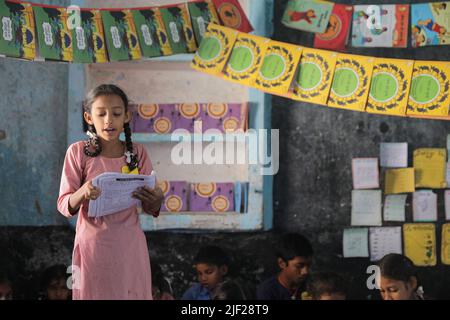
175,195
153,118
211,197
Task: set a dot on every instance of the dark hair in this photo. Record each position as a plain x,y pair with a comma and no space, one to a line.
397,267
293,245
54,272
212,255
94,142
325,282
228,290
158,279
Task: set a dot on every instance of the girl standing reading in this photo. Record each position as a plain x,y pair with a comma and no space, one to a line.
110,256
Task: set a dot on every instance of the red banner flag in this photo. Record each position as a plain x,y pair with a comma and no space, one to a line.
232,15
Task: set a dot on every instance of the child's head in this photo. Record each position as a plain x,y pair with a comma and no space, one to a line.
6,291
107,114
54,283
294,255
327,286
211,263
228,290
398,278
159,283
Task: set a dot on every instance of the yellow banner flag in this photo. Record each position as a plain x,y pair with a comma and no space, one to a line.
278,68
389,89
430,89
246,58
420,243
314,76
399,181
430,167
445,247
351,82
215,49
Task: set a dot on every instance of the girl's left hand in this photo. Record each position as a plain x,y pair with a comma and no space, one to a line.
151,199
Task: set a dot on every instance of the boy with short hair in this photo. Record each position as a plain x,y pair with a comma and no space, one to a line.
294,257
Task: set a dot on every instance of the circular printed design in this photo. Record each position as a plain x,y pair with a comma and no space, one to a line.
424,89
384,87
229,15
230,124
350,74
309,76
345,82
148,111
173,203
220,204
273,67
213,50
388,89
210,48
333,29
162,125
189,110
241,59
217,110
205,189
286,63
312,77
164,186
429,90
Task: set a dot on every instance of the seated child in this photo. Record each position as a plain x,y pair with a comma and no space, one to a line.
228,290
399,279
211,264
294,257
54,283
161,289
326,286
6,291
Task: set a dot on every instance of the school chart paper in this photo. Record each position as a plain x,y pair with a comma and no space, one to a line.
116,192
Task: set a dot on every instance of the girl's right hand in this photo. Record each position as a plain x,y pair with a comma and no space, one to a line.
90,192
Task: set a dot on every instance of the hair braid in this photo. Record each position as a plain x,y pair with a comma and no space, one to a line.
133,161
92,146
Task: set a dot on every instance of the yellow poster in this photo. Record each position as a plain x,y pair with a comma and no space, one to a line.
420,243
187,28
389,89
351,82
399,181
246,58
430,89
315,75
445,248
278,68
430,167
215,49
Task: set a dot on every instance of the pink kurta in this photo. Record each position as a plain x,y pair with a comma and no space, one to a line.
110,254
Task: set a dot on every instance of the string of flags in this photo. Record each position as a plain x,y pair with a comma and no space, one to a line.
397,87
371,25
42,32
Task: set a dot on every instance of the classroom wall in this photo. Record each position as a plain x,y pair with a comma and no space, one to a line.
33,116
311,191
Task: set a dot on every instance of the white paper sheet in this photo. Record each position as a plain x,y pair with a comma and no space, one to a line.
424,206
384,240
394,207
116,192
355,242
366,208
394,154
365,173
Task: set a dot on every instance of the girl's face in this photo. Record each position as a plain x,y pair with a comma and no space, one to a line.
210,275
391,289
108,116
